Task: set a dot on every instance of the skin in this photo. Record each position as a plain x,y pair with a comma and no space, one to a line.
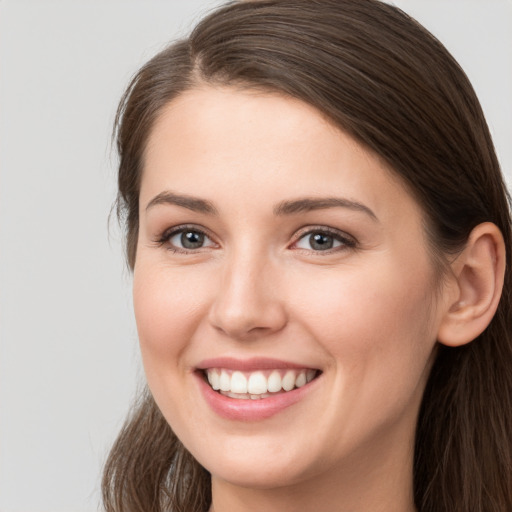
365,313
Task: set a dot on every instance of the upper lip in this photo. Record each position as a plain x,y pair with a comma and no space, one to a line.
251,364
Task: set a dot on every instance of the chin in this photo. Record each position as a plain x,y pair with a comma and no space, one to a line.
255,475
258,461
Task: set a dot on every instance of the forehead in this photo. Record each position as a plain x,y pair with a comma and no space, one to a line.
229,142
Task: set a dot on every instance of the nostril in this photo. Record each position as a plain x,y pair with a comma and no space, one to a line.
247,308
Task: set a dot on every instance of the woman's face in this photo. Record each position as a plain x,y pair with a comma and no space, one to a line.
276,253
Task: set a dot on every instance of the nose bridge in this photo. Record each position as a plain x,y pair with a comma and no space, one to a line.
248,302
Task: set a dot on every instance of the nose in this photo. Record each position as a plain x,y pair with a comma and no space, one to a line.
248,304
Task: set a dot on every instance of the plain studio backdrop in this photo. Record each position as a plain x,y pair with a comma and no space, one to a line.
69,363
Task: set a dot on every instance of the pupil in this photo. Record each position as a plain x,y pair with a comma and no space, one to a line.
192,240
321,242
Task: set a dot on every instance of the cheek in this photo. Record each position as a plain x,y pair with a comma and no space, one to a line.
377,326
168,305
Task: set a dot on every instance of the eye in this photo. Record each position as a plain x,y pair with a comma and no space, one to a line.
186,239
319,240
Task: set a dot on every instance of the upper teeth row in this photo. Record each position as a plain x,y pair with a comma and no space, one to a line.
258,382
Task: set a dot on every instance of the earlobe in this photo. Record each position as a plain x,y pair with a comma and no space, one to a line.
478,273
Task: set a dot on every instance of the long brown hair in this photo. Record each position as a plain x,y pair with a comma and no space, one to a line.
386,81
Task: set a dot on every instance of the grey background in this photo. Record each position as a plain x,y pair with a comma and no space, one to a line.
69,362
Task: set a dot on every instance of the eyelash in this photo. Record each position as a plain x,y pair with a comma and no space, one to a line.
345,241
167,235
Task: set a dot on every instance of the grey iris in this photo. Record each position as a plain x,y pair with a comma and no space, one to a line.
192,239
321,242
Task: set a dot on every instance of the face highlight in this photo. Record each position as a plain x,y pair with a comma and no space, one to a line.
284,293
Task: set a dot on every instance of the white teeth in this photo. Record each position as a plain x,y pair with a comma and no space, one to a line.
225,381
257,384
274,382
213,379
239,383
289,380
300,380
241,396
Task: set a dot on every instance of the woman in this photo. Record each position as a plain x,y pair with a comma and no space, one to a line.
317,224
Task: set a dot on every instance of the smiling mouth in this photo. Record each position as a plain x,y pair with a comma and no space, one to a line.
258,384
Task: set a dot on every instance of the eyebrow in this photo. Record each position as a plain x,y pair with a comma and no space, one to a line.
191,203
290,207
308,204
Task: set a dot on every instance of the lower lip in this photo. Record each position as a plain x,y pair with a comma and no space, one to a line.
251,410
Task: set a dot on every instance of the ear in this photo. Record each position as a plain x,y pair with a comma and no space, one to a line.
477,275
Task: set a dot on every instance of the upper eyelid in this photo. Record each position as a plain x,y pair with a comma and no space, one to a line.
167,233
165,236
323,229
